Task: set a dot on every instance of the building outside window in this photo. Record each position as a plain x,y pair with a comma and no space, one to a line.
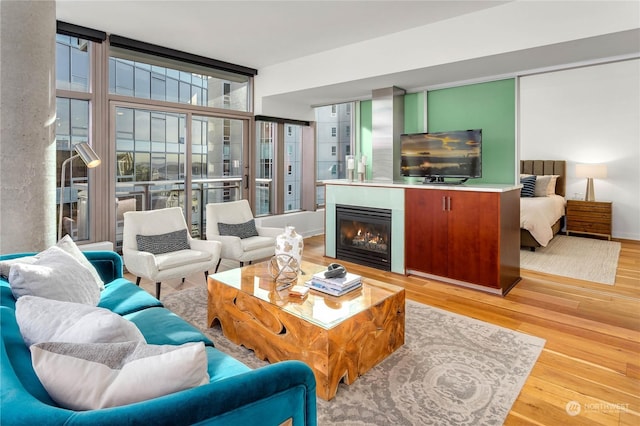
278,183
139,75
155,141
167,123
293,167
332,122
264,167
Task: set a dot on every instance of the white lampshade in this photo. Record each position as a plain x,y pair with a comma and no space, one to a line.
596,171
591,171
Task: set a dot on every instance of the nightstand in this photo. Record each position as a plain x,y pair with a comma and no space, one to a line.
589,217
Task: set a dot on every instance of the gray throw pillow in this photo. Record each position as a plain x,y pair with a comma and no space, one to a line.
241,230
164,243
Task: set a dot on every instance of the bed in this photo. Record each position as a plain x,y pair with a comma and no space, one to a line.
542,217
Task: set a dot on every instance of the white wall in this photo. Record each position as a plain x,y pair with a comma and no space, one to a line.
589,115
307,223
509,27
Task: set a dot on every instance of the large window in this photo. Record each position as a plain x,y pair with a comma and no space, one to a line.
180,83
279,183
72,63
171,129
333,143
156,156
264,166
152,163
292,167
73,106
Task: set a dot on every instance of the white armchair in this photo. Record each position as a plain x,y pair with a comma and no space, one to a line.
157,245
247,249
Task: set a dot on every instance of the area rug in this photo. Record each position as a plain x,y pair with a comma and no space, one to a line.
451,370
585,259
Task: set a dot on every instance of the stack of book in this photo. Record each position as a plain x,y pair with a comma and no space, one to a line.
335,286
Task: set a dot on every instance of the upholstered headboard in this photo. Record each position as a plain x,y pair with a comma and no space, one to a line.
547,167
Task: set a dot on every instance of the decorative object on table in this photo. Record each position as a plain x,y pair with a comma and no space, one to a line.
335,281
284,269
290,243
591,171
335,270
298,291
362,168
351,166
90,159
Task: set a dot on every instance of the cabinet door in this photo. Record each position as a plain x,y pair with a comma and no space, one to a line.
474,237
426,231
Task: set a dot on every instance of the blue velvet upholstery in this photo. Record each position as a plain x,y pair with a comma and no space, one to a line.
123,298
235,395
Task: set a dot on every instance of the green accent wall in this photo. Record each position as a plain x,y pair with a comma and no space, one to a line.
366,128
488,106
414,113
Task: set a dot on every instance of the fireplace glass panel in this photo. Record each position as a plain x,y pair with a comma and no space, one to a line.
364,236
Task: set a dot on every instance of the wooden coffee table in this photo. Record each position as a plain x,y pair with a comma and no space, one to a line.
340,338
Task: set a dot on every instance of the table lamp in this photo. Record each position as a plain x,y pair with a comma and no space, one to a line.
91,160
591,171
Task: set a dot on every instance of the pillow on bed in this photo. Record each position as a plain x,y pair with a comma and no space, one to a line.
545,185
528,186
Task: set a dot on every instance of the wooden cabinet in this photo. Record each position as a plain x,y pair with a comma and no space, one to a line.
467,237
589,217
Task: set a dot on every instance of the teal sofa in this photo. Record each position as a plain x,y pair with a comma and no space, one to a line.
235,395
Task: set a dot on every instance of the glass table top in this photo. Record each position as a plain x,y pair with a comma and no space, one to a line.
318,308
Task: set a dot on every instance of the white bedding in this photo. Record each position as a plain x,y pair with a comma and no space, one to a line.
538,214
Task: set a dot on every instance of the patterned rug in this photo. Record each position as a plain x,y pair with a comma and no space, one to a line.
582,258
451,370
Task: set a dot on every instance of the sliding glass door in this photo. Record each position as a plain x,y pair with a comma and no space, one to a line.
159,164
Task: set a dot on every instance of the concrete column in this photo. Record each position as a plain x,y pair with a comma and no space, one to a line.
27,123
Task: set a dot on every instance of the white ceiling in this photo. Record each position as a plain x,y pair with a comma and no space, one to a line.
258,34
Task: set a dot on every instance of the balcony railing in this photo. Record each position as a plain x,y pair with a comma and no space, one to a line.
152,195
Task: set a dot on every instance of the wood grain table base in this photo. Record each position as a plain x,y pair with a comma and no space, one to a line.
345,351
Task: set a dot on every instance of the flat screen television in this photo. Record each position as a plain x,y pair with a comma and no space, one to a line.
440,155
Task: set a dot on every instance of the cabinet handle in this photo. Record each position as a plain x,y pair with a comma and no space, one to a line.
444,205
449,203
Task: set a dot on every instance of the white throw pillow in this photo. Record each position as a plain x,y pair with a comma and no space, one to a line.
54,275
67,244
100,375
45,320
5,265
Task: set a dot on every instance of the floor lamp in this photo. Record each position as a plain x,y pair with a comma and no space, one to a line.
90,158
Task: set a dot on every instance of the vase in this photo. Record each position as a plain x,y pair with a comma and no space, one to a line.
290,243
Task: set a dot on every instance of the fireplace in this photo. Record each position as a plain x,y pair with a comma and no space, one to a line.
363,236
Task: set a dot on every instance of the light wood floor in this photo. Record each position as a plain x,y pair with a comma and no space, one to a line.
592,332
